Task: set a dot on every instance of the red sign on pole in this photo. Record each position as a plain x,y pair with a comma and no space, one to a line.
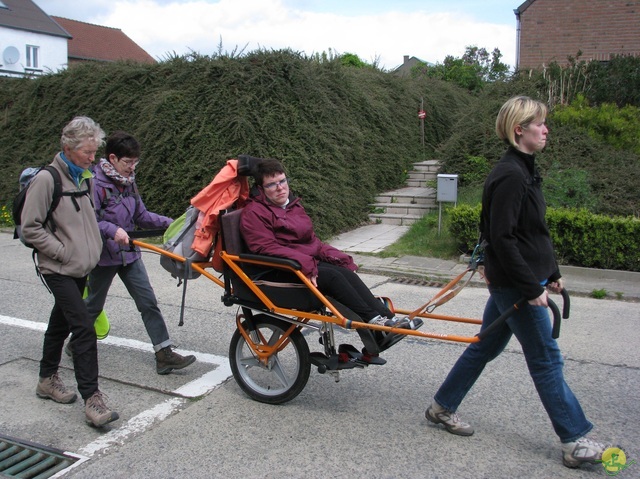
422,114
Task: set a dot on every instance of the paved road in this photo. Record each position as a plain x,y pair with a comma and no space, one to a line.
370,424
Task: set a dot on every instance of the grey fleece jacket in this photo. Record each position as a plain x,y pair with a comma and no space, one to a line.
74,249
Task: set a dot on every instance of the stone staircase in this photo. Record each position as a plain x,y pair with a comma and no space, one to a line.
407,205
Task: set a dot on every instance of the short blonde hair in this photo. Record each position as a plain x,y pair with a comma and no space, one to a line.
519,110
80,129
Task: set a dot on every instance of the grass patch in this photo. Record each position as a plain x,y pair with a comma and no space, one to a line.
423,238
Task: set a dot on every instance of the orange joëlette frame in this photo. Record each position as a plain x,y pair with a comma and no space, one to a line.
425,312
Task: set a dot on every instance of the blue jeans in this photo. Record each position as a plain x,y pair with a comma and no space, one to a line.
69,315
135,278
532,329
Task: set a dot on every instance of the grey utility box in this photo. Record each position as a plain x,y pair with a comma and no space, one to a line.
447,189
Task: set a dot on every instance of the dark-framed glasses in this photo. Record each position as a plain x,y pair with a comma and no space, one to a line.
273,185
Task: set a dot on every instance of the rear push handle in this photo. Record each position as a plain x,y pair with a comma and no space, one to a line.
557,317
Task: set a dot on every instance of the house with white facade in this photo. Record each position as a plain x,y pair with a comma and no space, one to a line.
31,42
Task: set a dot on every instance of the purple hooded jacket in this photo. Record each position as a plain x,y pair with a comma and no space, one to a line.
288,233
121,211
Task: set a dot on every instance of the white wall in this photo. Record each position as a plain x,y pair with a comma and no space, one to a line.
52,54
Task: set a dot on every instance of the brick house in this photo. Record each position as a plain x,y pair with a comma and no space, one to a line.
91,42
552,30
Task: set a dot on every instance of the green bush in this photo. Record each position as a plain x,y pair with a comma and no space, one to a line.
595,241
608,123
580,238
464,226
569,188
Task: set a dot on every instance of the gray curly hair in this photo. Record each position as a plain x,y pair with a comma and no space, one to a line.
80,129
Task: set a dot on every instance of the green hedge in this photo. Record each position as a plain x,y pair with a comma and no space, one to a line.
580,238
344,134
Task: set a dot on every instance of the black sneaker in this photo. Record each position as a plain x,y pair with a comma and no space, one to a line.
415,323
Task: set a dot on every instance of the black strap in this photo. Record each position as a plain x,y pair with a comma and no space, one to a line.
185,279
121,194
55,199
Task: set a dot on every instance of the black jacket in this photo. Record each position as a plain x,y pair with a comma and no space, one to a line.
520,253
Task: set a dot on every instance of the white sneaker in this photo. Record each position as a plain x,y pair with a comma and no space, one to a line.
394,322
450,420
583,450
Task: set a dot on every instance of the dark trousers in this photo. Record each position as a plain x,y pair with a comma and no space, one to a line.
70,315
346,286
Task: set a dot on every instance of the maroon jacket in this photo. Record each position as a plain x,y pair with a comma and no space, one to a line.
288,233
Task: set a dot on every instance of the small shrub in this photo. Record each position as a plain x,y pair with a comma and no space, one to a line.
5,216
599,293
464,226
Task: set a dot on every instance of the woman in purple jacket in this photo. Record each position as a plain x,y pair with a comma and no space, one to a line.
120,209
274,223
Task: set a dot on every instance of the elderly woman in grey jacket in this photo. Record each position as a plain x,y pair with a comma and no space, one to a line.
68,246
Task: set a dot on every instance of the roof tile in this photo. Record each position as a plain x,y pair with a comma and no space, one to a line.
95,42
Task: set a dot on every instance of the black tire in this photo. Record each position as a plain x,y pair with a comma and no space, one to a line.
287,371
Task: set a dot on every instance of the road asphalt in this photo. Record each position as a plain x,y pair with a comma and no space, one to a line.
198,423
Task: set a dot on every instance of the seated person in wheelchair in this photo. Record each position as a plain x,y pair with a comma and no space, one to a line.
274,223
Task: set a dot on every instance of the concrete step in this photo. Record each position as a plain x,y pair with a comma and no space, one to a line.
422,175
405,206
420,183
413,195
428,165
400,220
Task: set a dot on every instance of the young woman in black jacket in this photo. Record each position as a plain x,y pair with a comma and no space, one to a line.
519,263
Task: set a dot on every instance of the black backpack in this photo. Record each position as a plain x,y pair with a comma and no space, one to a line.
26,177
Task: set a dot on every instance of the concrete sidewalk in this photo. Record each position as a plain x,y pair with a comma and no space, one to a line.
363,242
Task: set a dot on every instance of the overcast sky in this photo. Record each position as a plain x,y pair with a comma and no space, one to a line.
375,30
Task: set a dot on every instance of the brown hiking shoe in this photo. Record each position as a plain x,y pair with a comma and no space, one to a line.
97,412
167,360
53,388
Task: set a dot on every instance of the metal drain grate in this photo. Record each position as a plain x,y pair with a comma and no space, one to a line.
418,282
24,459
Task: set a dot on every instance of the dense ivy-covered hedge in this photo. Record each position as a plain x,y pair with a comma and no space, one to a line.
344,134
580,238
